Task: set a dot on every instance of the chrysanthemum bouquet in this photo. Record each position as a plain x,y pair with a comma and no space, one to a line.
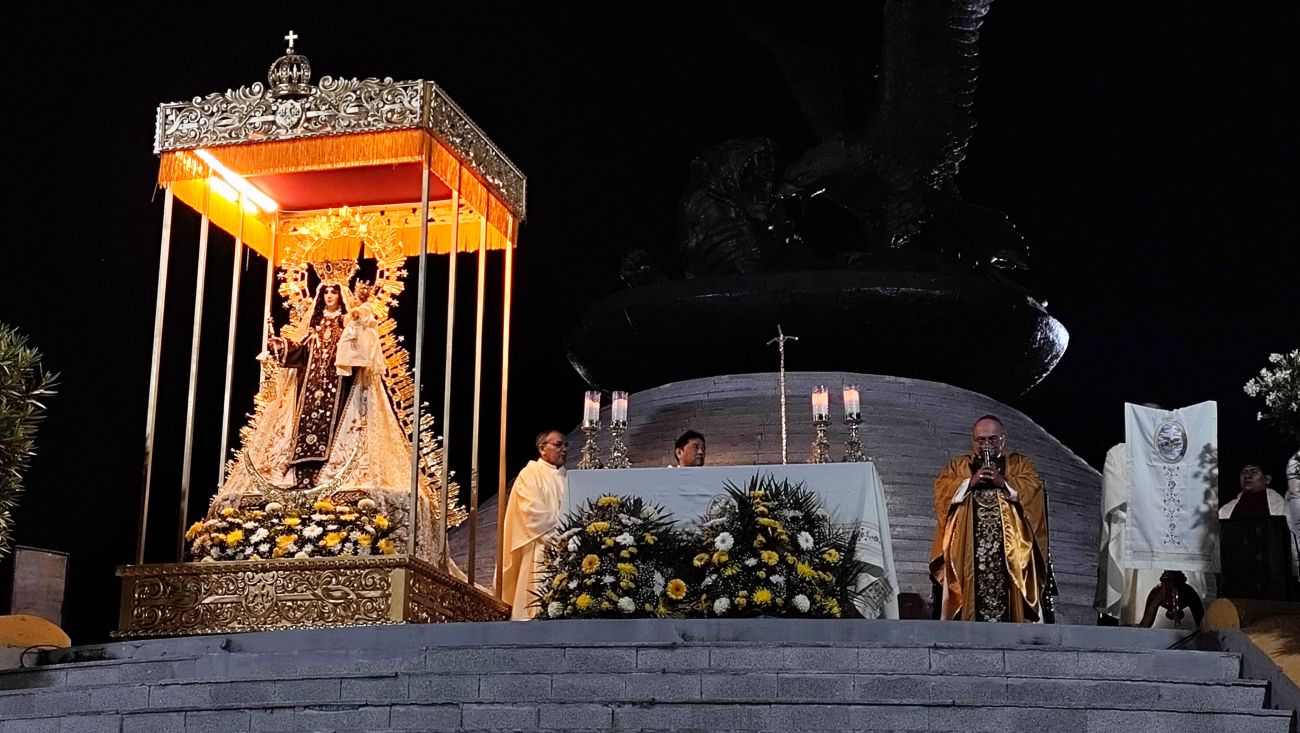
615,558
1279,386
329,530
769,549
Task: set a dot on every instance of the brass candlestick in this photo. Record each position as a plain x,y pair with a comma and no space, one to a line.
617,448
853,446
590,453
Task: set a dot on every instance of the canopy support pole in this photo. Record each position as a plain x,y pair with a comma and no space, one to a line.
194,377
151,417
505,388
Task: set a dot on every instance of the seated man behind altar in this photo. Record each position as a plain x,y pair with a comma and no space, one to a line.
325,430
533,511
989,555
689,449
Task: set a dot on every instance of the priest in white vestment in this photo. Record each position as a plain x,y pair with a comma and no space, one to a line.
533,512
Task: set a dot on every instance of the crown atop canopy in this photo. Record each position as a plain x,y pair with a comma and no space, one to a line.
290,75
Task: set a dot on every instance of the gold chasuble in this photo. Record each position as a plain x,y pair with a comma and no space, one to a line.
990,544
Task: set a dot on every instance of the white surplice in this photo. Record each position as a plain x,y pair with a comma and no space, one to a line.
534,510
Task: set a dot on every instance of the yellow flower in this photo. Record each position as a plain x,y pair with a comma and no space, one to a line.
292,521
387,547
731,570
607,501
626,554
649,538
558,580
606,605
277,552
740,601
347,517
228,512
676,589
832,556
757,493
700,559
582,602
364,540
720,557
789,559
832,606
769,523
597,527
381,522
762,596
769,557
284,540
626,585
333,538
194,530
759,541
805,571
627,569
761,574
609,542
590,563
324,505
234,537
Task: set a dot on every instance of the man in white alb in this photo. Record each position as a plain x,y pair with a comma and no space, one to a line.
535,509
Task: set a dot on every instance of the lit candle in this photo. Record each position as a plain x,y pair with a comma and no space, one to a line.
821,403
618,410
591,409
852,407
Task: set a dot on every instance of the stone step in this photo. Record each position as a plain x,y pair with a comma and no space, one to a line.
620,658
815,715
631,687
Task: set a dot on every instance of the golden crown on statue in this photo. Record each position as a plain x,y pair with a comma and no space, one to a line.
335,271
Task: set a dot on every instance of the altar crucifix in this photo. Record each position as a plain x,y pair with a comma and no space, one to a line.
780,340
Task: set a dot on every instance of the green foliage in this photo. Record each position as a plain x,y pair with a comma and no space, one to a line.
617,557
769,549
23,385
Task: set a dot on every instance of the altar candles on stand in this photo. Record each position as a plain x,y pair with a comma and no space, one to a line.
618,410
591,409
852,406
821,404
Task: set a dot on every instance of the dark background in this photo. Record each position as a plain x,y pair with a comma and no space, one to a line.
1147,154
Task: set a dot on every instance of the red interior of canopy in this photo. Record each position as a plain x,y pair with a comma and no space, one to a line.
374,185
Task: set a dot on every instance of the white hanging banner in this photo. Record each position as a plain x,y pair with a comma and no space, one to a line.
1173,501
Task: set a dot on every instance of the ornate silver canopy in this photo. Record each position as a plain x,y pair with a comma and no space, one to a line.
290,108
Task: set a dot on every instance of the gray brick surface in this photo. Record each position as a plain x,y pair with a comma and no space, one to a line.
91,724
218,721
508,717
425,717
514,687
898,660
325,717
820,659
575,717
966,661
663,687
104,699
672,660
431,688
600,659
374,689
13,705
153,723
30,725
587,687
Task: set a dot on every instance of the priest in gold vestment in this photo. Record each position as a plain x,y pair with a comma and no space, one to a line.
990,544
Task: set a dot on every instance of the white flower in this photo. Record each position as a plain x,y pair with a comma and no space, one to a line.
649,512
207,559
625,539
721,605
626,605
250,525
800,602
318,517
724,541
708,581
751,562
300,555
608,579
274,507
574,543
354,535
259,535
555,610
311,532
573,584
331,527
777,579
658,583
630,521
215,552
366,504
805,540
349,548
264,548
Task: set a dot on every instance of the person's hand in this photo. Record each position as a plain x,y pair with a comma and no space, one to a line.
989,474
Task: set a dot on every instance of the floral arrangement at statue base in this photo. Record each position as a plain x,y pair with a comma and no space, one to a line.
617,557
1279,386
767,549
326,530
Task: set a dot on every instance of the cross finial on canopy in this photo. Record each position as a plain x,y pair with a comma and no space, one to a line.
291,38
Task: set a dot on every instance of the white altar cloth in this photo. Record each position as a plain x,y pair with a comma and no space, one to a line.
851,493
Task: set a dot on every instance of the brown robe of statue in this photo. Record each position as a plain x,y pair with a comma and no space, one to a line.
1024,540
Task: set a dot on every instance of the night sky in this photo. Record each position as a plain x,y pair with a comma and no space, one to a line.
1147,155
